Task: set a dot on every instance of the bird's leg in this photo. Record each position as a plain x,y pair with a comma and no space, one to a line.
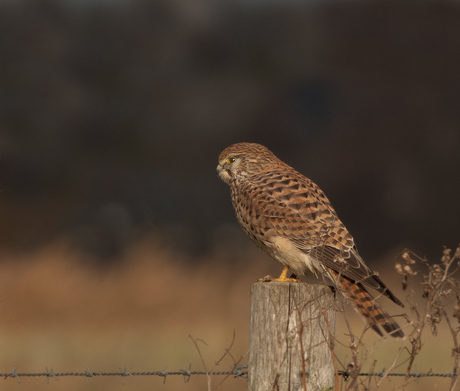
282,278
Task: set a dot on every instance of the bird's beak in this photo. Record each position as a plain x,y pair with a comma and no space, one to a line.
219,168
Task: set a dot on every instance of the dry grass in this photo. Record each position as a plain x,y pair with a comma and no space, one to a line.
60,312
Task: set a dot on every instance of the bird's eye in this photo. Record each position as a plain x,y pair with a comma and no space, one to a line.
231,160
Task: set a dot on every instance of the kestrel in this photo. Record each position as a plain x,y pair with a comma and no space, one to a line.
289,217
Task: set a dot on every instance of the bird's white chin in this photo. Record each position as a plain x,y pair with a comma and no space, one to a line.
223,174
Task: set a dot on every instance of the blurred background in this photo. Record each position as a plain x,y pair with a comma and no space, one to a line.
113,222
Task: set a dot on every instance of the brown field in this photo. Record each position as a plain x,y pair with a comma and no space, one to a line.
62,313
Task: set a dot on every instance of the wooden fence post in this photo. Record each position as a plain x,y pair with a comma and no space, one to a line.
291,337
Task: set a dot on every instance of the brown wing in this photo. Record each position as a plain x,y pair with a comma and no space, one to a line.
297,209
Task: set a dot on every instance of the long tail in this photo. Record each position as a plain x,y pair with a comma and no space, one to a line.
367,306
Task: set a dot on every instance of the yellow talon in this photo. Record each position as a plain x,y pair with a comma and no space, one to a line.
281,278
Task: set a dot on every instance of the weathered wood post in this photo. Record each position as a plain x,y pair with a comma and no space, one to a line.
291,335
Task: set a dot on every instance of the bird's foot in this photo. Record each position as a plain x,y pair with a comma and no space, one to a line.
292,278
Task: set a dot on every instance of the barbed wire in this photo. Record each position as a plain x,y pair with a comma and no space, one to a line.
346,374
238,372
49,373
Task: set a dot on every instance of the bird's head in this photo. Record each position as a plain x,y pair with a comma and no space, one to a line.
243,160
